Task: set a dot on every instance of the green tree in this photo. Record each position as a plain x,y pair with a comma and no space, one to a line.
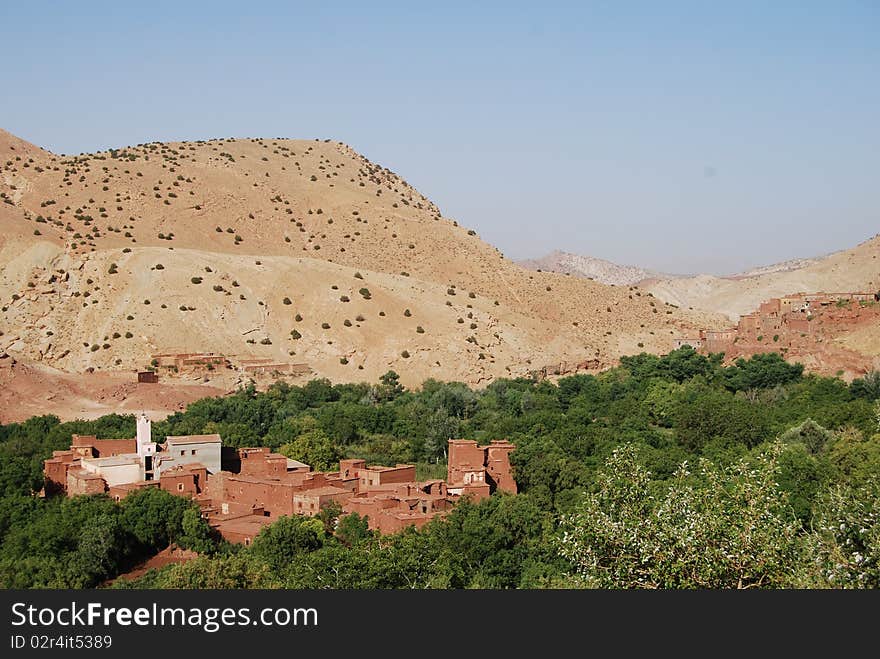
846,537
720,527
315,449
278,543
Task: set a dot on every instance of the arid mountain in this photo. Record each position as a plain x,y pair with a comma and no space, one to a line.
852,270
590,267
283,250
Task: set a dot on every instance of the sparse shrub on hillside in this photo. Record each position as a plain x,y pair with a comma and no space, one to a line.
129,335
343,361
365,293
346,322
287,301
266,341
450,291
359,318
295,335
420,330
344,298
405,354
196,280
298,318
358,275
407,313
159,266
325,326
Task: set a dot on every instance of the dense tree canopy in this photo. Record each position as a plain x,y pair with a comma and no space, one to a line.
662,458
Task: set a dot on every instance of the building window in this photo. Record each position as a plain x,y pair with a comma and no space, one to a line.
180,487
183,452
193,452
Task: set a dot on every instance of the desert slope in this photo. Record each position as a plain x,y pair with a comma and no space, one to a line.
852,270
590,267
259,248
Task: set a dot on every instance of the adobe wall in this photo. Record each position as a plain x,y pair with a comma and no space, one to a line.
104,448
80,481
498,466
385,475
55,471
275,496
261,462
465,457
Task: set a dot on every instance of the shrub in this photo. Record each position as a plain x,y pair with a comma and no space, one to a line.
196,280
365,293
405,354
295,335
287,301
325,326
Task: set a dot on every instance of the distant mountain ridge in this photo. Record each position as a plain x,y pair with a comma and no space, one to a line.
591,267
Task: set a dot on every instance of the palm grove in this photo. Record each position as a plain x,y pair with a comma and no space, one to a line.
665,472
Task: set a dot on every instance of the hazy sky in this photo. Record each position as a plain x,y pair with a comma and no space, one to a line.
673,135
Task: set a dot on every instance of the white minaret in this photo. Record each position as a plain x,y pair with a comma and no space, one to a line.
145,445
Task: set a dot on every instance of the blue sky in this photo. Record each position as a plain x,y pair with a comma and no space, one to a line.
681,136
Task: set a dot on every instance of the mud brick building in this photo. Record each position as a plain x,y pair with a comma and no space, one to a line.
242,490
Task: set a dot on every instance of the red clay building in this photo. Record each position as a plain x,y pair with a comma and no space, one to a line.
241,490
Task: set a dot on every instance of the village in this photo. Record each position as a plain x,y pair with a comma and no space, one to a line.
802,325
242,490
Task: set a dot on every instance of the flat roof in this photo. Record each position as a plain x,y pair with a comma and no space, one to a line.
193,439
248,524
327,489
114,460
384,468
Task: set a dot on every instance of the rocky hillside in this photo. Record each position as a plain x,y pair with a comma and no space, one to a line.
590,267
852,270
285,250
